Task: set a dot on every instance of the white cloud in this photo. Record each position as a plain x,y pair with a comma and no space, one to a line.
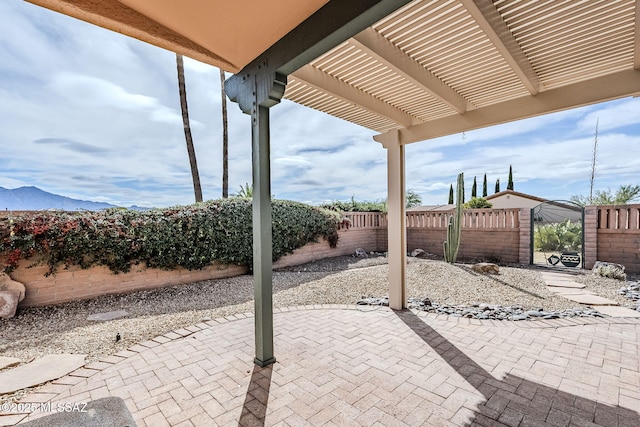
86,91
611,116
105,110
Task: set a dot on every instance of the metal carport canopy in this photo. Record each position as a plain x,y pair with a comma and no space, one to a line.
409,70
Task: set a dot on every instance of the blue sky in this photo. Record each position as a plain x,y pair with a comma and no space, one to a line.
91,114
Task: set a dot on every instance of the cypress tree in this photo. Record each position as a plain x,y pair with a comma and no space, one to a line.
484,186
510,183
497,185
474,188
451,194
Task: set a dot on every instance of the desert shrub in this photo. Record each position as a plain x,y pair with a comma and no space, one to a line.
559,236
356,206
187,236
477,203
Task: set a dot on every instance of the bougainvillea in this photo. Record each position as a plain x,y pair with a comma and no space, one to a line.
188,236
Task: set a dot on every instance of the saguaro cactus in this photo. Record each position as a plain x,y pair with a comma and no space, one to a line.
452,243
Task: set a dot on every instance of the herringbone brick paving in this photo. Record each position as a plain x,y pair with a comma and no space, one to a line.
339,366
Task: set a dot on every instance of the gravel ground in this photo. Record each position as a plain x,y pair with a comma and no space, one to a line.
342,280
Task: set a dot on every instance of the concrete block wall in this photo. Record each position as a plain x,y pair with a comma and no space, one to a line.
590,243
620,246
615,230
474,243
524,247
348,241
615,240
75,283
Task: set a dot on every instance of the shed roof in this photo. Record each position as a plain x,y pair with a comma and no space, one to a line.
516,193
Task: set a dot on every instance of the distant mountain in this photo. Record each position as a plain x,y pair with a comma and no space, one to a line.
33,198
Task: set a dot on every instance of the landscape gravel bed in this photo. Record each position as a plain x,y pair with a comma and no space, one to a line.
343,280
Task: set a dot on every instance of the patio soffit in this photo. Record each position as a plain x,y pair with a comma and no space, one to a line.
428,69
226,34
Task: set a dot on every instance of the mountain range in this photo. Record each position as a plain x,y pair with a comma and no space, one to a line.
33,198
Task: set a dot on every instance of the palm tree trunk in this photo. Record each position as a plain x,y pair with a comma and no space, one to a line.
197,189
225,140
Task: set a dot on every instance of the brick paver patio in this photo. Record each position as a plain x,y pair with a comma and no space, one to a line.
373,366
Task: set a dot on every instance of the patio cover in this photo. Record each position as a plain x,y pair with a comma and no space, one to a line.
409,70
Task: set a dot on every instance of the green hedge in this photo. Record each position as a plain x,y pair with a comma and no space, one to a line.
189,236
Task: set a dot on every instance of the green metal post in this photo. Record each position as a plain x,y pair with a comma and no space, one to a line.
262,238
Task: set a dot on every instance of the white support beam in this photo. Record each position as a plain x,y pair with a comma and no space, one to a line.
490,21
636,44
396,224
328,84
600,89
377,46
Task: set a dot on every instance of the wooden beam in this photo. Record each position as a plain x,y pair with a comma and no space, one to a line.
332,85
377,46
490,21
600,89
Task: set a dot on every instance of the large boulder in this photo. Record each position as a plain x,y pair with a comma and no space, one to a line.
486,267
8,284
609,269
8,303
360,253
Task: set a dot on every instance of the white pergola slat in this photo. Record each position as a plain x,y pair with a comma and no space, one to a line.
468,55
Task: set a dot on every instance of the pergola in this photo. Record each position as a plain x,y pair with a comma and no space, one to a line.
411,70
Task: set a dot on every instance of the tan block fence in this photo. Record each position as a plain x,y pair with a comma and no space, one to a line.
612,233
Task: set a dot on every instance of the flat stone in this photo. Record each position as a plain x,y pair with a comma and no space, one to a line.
590,299
40,371
8,303
109,315
568,291
618,311
108,411
6,362
565,284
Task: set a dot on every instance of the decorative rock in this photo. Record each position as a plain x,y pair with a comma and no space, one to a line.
631,291
609,269
8,303
416,252
374,301
360,253
497,312
8,284
486,267
536,313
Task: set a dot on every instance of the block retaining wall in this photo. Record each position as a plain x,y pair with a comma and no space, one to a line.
76,283
611,234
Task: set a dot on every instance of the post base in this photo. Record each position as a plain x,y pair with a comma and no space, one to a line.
264,363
